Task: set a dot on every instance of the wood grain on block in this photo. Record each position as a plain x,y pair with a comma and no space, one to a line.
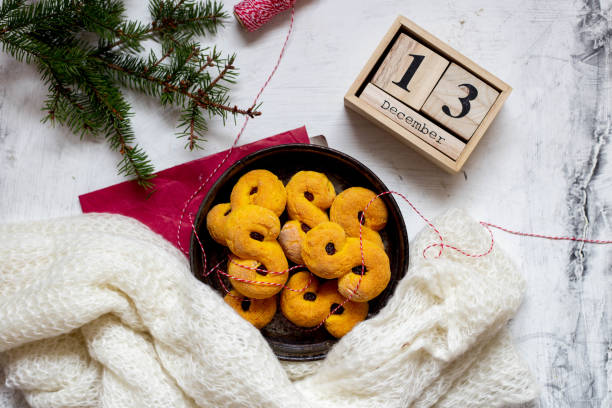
412,121
410,71
460,101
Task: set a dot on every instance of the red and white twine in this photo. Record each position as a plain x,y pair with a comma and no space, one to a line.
252,14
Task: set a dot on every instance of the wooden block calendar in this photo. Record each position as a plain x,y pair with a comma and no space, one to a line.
427,94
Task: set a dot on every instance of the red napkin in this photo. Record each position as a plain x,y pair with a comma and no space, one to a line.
162,210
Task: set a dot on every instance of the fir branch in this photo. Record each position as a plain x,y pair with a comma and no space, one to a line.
229,66
144,34
103,22
207,64
8,6
83,79
200,97
194,52
169,19
67,108
40,15
194,126
135,163
196,18
160,60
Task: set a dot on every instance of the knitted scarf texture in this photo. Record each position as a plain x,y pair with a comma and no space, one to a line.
99,311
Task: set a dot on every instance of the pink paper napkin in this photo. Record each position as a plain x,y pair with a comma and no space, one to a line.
162,210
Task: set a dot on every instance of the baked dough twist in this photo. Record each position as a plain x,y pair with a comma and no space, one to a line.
344,314
309,195
251,236
304,308
257,312
347,210
262,188
257,187
310,307
216,220
329,254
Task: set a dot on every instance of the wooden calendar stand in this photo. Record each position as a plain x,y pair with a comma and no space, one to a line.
427,94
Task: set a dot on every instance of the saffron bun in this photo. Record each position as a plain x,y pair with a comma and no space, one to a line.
344,314
348,208
216,220
301,303
309,195
258,312
261,188
252,278
320,304
259,263
257,187
329,253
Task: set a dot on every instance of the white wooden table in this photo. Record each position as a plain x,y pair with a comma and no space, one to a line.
545,165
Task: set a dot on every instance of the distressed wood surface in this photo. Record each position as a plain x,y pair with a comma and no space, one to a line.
545,164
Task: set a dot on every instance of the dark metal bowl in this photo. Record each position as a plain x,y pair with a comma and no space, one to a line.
288,341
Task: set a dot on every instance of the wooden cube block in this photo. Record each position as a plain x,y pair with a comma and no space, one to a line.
460,101
410,71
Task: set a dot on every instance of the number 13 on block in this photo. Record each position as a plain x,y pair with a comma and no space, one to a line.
427,82
460,101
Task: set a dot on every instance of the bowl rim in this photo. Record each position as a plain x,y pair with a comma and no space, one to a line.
243,162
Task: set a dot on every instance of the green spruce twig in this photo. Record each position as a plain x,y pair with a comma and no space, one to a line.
84,76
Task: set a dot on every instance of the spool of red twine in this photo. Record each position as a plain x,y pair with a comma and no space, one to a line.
252,14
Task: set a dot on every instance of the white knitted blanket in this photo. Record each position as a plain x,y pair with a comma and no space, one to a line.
98,311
